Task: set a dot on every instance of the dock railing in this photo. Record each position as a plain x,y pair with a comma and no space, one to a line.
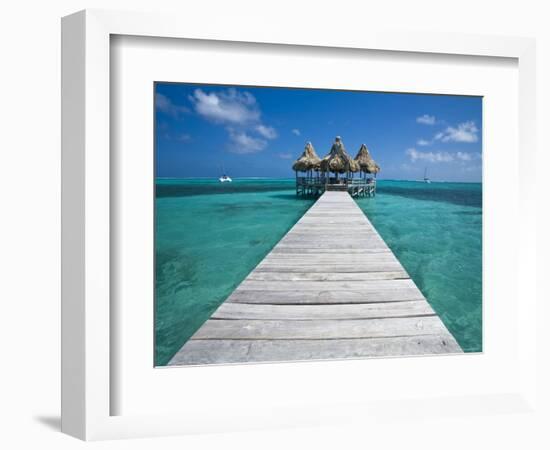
317,185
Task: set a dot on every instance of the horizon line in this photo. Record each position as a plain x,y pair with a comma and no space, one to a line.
291,178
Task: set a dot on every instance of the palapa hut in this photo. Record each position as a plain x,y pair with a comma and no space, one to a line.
365,161
338,160
308,162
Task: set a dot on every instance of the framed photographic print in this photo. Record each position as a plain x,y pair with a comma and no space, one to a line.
297,216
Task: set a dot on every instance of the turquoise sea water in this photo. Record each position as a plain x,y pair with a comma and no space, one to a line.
435,230
209,236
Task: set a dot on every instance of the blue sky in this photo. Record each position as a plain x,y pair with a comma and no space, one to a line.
255,131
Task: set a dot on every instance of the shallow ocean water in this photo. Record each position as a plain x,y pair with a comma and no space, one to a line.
209,236
435,230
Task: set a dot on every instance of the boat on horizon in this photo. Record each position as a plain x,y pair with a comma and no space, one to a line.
426,179
224,178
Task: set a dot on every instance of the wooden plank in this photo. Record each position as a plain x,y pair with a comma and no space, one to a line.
326,276
293,297
333,241
387,258
344,244
345,219
319,329
327,235
329,215
328,260
321,225
334,261
301,286
327,251
332,312
329,256
320,219
372,267
327,232
332,256
349,223
198,352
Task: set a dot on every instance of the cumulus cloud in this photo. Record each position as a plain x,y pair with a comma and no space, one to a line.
266,132
463,132
166,106
296,131
242,143
240,113
464,156
426,119
466,132
441,157
230,106
416,155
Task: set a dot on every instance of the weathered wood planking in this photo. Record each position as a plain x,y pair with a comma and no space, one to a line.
294,297
331,288
223,351
320,329
311,312
370,285
326,276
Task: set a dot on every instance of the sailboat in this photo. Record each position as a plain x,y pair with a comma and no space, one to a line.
426,179
224,178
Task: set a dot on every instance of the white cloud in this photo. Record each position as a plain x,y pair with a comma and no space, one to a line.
466,132
230,106
165,105
426,119
464,156
285,155
266,132
415,155
441,157
242,143
296,131
463,132
240,113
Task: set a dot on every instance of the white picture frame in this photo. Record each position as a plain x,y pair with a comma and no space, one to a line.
87,355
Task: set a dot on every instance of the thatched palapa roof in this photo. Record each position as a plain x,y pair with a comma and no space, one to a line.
308,161
338,160
365,161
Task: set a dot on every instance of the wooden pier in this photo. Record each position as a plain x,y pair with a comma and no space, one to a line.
331,288
356,187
